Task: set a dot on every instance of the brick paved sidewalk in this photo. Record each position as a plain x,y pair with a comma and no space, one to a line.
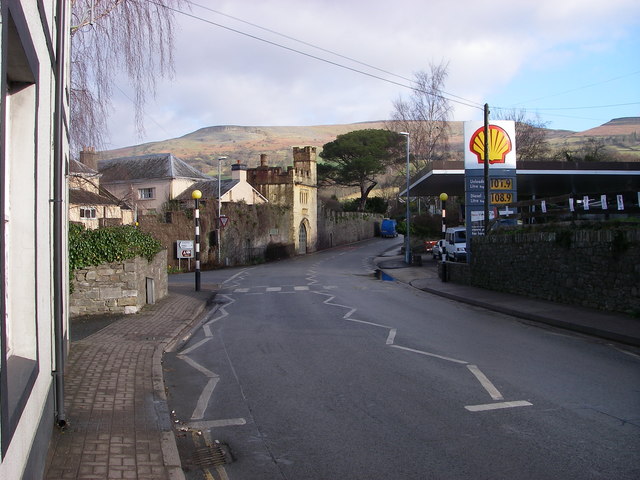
118,423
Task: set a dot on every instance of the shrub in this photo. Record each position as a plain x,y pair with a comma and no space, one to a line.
108,244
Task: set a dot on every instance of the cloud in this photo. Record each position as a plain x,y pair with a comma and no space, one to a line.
223,77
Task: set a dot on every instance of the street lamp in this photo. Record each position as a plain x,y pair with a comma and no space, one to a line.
197,195
443,198
407,248
219,210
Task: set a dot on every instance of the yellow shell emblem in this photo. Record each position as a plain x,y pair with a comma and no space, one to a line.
499,144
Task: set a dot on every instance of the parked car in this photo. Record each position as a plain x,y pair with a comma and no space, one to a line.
428,245
388,228
438,250
456,244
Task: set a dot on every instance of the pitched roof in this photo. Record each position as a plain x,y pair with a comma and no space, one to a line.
78,167
209,188
83,197
146,167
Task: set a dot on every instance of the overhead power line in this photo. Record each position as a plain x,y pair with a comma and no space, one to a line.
445,96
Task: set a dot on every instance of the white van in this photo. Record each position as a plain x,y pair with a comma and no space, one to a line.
455,240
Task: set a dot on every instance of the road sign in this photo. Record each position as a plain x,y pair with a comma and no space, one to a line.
224,220
184,249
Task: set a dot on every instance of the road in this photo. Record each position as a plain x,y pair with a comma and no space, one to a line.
312,368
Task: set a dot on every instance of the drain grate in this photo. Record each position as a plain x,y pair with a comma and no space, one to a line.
214,455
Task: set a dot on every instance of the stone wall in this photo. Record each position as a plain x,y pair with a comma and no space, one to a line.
250,230
119,287
340,228
592,268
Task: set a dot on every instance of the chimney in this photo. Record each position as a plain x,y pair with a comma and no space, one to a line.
263,159
239,171
89,157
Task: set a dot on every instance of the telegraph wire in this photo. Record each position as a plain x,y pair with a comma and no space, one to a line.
308,44
315,57
580,88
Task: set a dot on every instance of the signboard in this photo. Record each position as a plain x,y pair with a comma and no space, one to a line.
184,249
502,172
224,220
502,145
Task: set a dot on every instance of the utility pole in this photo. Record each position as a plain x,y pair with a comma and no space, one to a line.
486,168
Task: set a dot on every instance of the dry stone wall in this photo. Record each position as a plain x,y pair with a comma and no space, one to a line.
119,287
592,268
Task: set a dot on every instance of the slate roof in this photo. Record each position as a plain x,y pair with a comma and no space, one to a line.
78,167
147,167
209,189
83,197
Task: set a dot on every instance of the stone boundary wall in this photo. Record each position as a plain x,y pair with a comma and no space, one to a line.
591,268
340,228
119,287
251,229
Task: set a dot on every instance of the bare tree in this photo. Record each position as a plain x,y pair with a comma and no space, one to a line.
425,116
531,135
133,38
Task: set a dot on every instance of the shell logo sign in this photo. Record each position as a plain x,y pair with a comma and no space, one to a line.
501,144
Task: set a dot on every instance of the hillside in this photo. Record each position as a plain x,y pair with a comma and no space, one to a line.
245,144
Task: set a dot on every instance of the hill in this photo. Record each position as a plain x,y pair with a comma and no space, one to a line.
245,143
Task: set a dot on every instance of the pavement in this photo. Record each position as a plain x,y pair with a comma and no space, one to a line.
118,422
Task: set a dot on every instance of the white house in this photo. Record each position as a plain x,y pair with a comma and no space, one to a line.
148,181
235,189
34,111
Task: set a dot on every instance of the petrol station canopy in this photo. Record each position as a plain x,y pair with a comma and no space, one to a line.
536,179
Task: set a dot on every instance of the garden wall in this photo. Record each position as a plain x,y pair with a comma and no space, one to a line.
340,228
119,287
254,232
592,268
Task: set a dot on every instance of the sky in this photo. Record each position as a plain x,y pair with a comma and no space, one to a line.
573,64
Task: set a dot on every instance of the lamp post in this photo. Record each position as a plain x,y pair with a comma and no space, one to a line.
407,248
443,198
197,195
219,211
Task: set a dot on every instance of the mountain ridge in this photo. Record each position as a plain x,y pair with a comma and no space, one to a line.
245,144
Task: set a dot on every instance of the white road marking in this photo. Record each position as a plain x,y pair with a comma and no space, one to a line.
485,382
203,400
448,359
392,336
274,289
206,424
497,406
197,366
194,346
241,290
298,289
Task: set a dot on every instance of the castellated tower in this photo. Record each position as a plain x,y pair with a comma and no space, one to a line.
296,188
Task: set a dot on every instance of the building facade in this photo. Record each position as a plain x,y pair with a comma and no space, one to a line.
34,47
89,204
297,188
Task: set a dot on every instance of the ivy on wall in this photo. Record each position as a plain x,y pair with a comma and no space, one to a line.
108,244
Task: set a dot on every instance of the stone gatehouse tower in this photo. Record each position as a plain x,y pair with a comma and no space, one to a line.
297,187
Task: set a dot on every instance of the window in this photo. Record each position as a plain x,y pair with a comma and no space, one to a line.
146,193
304,196
87,212
20,187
